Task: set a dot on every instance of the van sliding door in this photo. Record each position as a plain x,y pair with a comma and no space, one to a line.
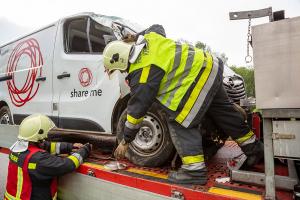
83,92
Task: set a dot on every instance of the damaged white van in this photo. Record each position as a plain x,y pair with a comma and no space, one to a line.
58,71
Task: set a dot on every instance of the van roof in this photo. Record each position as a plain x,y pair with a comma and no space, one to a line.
48,26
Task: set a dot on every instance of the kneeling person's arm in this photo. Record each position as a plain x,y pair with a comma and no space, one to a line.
56,148
51,165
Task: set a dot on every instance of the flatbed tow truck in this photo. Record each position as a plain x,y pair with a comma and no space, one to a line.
280,105
93,180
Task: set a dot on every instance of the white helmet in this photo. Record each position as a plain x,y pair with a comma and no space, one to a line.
33,128
116,55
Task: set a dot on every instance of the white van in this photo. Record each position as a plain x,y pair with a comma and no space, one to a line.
58,71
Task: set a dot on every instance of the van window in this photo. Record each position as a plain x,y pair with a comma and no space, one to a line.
84,35
76,36
97,31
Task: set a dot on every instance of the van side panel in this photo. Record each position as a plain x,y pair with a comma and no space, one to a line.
29,63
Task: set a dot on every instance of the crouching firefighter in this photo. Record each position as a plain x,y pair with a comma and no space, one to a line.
187,82
33,164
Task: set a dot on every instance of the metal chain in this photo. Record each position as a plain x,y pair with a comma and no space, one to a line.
248,57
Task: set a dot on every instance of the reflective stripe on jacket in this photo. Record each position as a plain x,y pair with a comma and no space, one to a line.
182,64
19,186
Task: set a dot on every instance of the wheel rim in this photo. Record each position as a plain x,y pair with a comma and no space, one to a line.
4,119
150,137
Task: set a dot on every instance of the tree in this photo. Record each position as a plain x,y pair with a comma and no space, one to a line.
224,58
203,46
200,45
248,76
182,41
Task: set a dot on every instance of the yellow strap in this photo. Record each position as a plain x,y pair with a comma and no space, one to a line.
32,166
147,173
20,183
133,120
245,137
53,148
9,196
234,194
74,160
145,74
131,169
196,91
192,159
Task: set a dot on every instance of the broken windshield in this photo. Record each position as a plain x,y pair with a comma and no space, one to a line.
121,27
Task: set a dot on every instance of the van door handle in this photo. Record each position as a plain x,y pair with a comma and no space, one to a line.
40,78
5,78
63,75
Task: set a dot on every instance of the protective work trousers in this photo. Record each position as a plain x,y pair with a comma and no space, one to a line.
188,141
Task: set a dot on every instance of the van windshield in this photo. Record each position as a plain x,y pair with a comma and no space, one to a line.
120,26
91,34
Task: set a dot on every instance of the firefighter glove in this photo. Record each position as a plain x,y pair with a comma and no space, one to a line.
76,146
85,150
121,149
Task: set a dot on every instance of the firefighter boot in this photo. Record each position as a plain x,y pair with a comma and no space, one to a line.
254,152
184,176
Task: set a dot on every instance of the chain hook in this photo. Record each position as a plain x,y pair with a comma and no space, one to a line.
248,57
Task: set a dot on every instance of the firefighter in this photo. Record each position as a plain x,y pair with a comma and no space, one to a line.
187,83
34,164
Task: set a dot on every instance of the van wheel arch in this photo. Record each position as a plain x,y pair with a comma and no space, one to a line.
118,110
3,103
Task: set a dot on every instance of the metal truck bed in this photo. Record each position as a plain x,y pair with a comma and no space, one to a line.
93,181
154,180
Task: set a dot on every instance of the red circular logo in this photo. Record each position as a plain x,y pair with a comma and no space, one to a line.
85,77
26,56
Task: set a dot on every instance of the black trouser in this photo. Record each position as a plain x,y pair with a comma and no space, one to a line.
188,141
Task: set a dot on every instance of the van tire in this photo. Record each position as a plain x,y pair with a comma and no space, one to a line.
164,150
5,116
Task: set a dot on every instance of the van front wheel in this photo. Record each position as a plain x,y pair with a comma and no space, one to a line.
152,146
5,115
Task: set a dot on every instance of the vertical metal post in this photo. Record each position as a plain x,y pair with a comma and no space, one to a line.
269,160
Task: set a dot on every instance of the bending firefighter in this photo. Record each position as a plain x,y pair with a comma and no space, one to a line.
33,164
187,82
